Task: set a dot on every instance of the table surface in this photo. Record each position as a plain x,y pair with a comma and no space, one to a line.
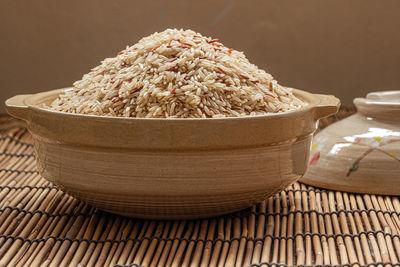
303,225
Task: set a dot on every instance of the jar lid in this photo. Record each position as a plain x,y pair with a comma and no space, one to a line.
381,105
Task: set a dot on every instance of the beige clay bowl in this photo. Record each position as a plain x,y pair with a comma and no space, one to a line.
171,168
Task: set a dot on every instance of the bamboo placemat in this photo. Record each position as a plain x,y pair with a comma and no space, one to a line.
303,225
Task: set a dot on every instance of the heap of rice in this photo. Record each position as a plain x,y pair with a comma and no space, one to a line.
177,74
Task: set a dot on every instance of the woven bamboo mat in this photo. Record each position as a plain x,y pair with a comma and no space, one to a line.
41,225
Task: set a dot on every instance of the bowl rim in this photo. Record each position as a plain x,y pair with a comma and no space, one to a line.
149,133
33,102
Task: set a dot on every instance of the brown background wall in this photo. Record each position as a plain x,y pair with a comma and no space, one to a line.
343,47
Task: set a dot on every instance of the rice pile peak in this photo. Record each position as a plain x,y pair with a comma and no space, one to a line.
177,74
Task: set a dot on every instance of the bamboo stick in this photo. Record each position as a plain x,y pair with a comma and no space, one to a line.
329,230
74,245
192,228
259,232
189,247
353,228
232,253
55,252
344,229
360,228
65,246
98,246
307,226
34,252
225,247
175,244
242,244
164,246
375,222
318,253
395,221
283,233
145,243
322,230
267,242
130,245
34,233
388,227
208,245
368,228
162,229
195,261
105,247
290,229
251,234
118,247
300,253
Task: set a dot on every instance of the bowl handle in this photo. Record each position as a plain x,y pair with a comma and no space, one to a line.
16,106
328,105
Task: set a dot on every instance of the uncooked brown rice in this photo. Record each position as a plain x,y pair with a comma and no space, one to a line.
177,74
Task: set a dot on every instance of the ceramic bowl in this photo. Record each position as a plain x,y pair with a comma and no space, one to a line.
362,152
171,168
